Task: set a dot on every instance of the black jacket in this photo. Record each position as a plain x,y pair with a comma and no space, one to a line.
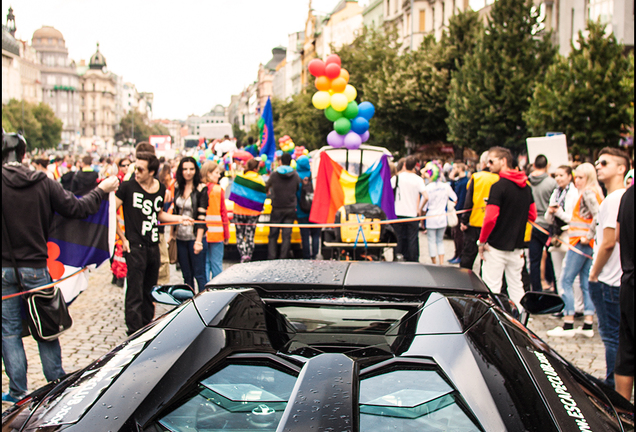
282,184
83,182
29,201
199,205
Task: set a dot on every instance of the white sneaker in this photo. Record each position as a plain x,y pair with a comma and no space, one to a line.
587,333
560,332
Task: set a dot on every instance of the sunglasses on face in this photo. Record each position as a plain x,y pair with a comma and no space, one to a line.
140,169
490,161
601,162
124,165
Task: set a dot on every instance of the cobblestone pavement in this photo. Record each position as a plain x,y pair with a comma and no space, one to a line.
98,326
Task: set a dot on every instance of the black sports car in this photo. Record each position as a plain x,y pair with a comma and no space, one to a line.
331,346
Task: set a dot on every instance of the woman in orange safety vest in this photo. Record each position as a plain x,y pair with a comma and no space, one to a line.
578,263
218,230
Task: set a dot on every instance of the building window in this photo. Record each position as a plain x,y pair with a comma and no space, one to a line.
82,86
433,17
94,131
82,101
83,116
93,116
84,131
93,86
422,21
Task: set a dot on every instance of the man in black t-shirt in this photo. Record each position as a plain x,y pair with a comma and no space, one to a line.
142,199
624,368
501,242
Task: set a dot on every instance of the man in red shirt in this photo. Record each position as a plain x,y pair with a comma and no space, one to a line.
510,205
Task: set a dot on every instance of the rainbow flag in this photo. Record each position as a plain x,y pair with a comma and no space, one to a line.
336,187
248,191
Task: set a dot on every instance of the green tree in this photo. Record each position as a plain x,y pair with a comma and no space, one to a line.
459,40
492,89
6,123
239,134
51,126
589,96
20,115
141,130
409,94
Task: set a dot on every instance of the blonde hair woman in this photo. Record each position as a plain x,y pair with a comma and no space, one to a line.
580,234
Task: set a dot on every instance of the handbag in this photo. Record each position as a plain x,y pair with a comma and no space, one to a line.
47,314
172,249
451,214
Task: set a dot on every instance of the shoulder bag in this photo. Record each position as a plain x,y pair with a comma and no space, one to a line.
47,314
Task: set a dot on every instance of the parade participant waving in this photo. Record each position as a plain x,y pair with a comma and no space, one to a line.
190,201
218,230
248,194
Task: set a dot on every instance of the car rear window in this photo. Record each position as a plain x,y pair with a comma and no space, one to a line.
323,318
412,400
237,397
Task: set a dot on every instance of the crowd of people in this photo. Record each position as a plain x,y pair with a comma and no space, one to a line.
533,228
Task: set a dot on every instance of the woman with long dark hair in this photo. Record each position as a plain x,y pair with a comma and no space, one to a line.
191,242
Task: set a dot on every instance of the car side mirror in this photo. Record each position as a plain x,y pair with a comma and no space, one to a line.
540,303
172,295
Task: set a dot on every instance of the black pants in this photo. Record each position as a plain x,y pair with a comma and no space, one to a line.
536,246
284,216
470,249
408,243
458,239
143,271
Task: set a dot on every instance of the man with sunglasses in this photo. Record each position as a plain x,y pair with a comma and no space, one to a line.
142,200
501,242
605,275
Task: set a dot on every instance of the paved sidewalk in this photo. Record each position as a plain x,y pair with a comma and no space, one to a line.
98,316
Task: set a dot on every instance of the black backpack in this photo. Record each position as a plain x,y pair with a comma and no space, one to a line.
306,196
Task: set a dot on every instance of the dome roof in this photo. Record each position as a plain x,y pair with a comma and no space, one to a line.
97,60
47,32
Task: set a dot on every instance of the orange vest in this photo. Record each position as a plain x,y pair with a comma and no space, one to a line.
579,226
213,215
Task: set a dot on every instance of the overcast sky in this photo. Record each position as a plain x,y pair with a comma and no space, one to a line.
192,54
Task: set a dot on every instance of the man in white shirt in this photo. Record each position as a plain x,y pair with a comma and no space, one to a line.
606,272
409,188
225,146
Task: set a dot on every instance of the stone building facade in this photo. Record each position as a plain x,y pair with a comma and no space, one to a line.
98,94
60,82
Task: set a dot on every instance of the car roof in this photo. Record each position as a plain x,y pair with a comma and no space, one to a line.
394,278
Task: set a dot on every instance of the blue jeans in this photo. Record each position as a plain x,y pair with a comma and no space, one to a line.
13,354
192,265
606,300
435,237
305,235
576,265
214,259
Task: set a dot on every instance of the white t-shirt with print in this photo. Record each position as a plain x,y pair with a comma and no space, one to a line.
438,195
606,218
407,195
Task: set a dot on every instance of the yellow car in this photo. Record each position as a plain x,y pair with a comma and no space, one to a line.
261,236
